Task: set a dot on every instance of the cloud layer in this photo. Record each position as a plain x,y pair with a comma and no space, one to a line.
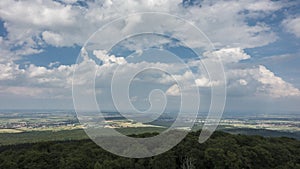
33,25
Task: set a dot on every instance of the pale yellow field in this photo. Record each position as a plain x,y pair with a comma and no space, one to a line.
10,131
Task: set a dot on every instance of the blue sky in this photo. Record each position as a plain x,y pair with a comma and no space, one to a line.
53,54
258,41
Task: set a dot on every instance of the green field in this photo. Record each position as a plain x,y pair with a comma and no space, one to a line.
79,134
63,135
40,136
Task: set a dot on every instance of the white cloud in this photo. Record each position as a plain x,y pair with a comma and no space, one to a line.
227,55
9,71
246,81
264,6
53,64
36,81
259,81
52,38
65,25
31,24
38,13
56,82
173,90
292,25
243,82
224,24
205,82
275,85
109,59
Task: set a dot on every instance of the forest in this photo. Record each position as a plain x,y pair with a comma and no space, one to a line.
221,151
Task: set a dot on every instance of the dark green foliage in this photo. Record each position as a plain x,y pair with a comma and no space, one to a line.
39,136
221,151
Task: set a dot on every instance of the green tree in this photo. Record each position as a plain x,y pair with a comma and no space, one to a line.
97,165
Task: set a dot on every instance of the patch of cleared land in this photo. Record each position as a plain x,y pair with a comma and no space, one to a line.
10,131
126,124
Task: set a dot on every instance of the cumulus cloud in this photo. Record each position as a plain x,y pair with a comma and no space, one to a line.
205,82
30,23
9,71
259,81
244,81
36,81
252,81
108,59
255,81
34,24
227,55
56,82
274,85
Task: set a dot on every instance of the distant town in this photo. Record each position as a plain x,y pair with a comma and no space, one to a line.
14,122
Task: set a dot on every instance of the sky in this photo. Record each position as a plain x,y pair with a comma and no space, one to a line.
42,43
